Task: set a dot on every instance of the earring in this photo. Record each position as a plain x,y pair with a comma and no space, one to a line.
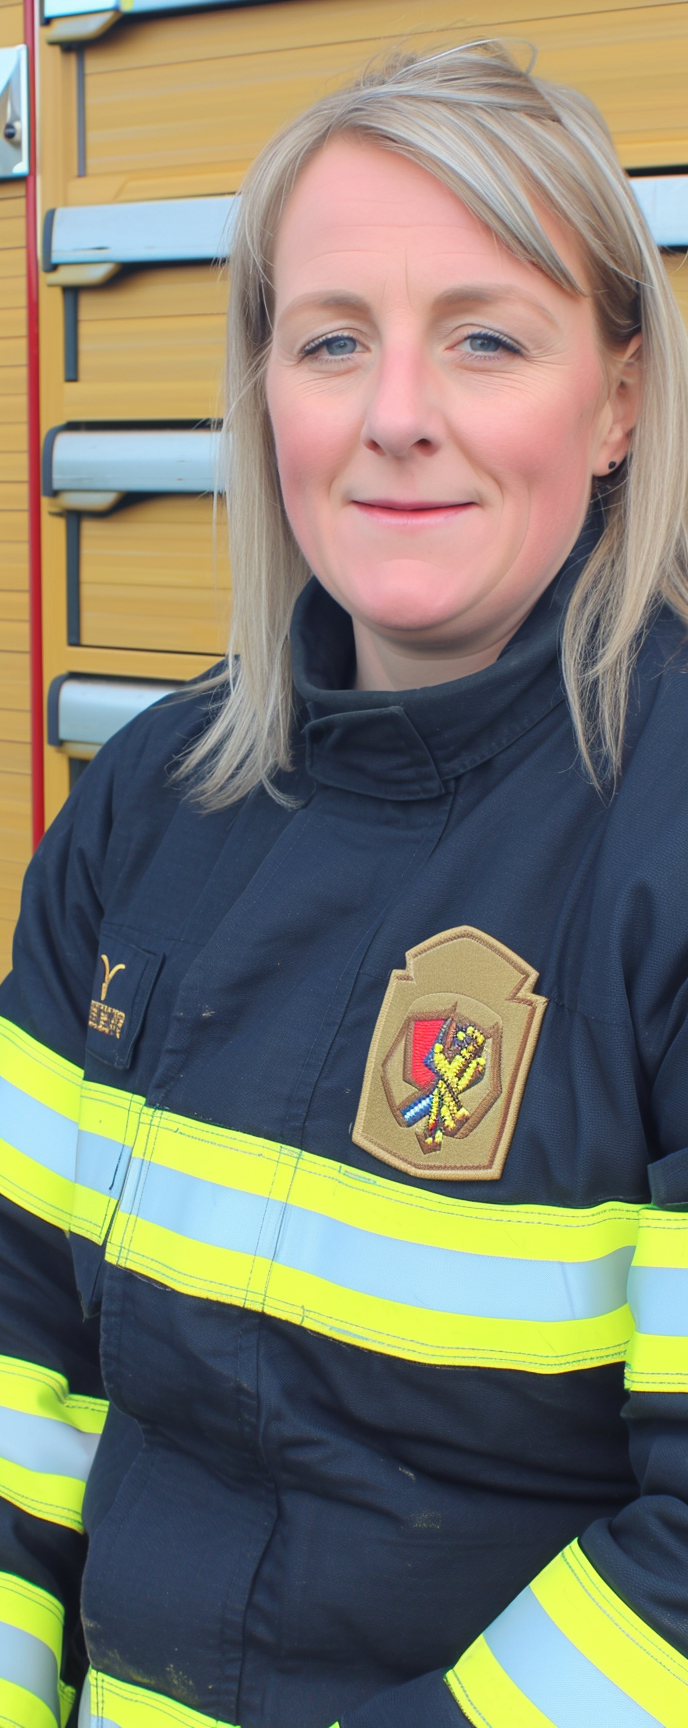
611,465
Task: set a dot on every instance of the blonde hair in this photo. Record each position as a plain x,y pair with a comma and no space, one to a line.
503,141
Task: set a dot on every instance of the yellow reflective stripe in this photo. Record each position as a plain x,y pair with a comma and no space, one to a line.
391,1328
117,1704
656,1364
22,1709
64,1143
34,1188
568,1650
662,1239
48,1438
657,1359
44,1392
39,1071
222,1215
32,1610
57,1499
621,1645
108,1121
275,1171
31,1628
37,1168
67,1695
478,1676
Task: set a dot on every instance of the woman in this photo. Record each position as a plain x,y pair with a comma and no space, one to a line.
379,995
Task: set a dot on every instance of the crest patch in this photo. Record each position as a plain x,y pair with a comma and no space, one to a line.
449,1059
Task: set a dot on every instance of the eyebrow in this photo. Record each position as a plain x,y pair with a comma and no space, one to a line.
466,294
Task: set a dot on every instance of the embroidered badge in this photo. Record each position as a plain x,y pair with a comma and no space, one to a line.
103,1017
449,1059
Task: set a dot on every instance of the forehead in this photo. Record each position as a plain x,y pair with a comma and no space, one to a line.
357,204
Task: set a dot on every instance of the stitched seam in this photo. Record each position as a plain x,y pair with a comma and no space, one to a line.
617,1620
53,1063
469,1700
145,1159
258,1303
418,1200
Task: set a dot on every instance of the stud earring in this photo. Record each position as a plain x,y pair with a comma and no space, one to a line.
611,465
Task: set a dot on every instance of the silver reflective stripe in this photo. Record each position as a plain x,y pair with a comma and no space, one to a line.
658,1298
26,1661
37,1131
556,1677
101,1163
85,1718
43,1444
54,1142
442,1280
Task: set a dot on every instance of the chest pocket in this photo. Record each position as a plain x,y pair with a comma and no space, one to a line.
122,986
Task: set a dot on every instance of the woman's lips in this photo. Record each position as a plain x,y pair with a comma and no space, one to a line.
402,515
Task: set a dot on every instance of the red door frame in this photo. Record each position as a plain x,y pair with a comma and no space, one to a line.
34,448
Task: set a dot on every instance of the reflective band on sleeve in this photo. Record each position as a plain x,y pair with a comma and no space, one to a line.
108,1703
568,1651
64,1144
39,1111
31,1624
48,1440
359,1257
658,1297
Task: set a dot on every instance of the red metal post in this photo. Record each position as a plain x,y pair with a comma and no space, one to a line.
34,447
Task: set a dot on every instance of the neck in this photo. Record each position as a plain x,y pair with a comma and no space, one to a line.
385,665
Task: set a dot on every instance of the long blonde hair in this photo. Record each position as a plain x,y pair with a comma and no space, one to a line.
503,141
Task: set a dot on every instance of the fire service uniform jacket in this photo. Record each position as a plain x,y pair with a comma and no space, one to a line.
344,1167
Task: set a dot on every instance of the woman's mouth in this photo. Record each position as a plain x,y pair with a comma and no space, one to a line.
411,513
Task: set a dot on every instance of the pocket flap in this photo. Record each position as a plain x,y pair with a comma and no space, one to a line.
124,978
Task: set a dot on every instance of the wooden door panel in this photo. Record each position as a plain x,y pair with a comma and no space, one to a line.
153,576
151,346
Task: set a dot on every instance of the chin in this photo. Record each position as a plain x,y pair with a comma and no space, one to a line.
420,603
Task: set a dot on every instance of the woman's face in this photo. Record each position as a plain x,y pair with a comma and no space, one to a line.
439,410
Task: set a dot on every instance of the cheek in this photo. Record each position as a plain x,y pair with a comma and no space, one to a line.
546,436
314,434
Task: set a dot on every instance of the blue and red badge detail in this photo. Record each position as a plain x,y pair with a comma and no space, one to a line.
454,1055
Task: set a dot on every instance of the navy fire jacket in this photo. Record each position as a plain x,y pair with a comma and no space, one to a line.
343,1155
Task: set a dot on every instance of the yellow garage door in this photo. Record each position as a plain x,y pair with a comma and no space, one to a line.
149,119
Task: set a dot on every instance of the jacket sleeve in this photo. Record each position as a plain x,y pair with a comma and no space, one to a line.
52,1406
600,1638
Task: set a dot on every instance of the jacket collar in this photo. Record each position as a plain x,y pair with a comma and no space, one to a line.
412,744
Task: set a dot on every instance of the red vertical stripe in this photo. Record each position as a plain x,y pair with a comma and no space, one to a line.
34,448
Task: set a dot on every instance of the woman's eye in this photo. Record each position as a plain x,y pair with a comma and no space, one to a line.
486,342
337,347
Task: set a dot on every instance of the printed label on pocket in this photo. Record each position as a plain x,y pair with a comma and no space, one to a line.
124,979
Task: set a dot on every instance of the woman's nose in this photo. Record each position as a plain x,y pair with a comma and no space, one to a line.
402,412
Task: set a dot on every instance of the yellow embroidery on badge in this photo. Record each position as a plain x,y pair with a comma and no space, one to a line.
102,1016
450,1057
109,975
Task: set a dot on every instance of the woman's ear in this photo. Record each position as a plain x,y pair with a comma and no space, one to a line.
621,408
